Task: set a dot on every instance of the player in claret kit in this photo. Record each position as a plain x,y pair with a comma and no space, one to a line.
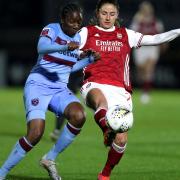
107,82
46,89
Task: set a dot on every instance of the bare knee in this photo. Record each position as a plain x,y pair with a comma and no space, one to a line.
121,139
75,114
35,131
77,118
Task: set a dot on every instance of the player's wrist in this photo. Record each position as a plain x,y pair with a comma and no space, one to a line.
91,58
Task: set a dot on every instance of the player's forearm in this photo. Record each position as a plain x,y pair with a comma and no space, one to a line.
82,63
160,38
45,46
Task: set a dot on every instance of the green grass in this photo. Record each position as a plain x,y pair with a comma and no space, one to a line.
153,151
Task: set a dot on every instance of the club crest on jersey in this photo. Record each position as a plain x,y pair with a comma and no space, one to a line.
35,101
119,36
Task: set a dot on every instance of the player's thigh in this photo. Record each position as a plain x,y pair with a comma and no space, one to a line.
117,96
93,95
36,100
61,100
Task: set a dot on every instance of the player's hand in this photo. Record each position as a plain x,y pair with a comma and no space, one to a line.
96,55
90,52
72,45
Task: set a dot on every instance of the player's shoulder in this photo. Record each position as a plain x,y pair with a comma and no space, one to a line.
91,28
122,30
53,26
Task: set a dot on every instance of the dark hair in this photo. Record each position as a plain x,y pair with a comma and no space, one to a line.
100,3
69,8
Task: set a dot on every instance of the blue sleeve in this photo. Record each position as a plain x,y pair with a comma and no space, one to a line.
45,46
82,63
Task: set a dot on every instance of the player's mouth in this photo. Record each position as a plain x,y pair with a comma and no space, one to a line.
107,23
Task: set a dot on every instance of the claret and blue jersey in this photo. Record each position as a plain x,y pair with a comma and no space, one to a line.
46,86
56,64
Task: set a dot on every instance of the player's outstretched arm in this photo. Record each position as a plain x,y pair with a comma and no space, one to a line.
45,46
91,56
82,63
160,38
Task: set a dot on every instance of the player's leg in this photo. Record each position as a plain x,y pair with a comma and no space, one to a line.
96,100
75,80
35,129
65,103
35,114
147,76
123,98
115,153
76,118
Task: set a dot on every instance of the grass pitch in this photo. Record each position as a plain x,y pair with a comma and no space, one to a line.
153,151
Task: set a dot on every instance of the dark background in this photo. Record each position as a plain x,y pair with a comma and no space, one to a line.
21,22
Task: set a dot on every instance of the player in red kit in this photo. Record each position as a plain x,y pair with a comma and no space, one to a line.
145,58
107,82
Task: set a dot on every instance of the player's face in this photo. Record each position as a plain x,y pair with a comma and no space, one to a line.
107,15
72,23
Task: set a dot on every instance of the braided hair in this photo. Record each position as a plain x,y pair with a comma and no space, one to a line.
69,8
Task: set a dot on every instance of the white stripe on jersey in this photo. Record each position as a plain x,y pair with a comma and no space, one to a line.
126,71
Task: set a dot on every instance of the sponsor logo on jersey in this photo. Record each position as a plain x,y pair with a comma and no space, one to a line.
69,54
35,101
109,45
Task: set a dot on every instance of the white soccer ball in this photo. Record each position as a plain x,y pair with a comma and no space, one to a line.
119,119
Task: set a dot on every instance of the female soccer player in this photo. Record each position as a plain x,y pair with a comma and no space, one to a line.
146,57
107,82
46,89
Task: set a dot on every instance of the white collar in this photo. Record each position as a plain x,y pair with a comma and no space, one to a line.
106,30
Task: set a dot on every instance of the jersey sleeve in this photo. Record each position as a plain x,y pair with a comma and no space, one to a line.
83,36
134,38
49,32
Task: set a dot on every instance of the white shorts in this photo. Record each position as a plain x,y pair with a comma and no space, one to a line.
144,53
114,95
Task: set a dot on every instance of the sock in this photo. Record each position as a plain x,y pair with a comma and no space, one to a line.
17,154
114,156
147,86
99,117
66,137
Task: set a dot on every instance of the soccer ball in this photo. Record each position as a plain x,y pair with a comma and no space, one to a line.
119,119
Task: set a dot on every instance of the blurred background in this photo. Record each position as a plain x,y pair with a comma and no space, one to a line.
22,21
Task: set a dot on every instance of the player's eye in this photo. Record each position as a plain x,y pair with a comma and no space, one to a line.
112,14
103,12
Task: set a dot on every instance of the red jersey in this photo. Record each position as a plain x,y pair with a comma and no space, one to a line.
114,49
